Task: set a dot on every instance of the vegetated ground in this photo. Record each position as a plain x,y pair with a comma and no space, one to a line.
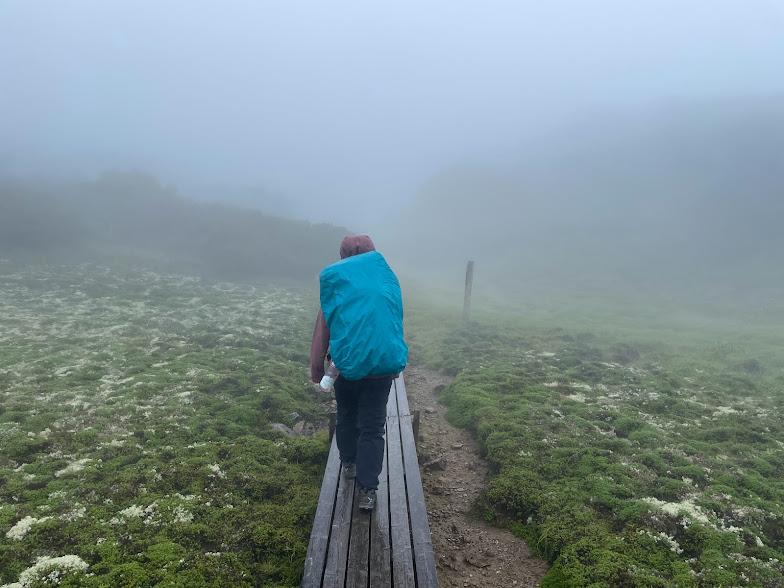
136,446
625,456
469,551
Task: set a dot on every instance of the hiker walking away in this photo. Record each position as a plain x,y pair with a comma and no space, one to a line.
360,324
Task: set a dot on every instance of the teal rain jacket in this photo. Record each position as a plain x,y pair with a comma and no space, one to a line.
363,308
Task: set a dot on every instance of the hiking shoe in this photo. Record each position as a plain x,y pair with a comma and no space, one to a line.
349,470
367,499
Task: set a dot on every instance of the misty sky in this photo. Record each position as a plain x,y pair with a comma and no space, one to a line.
346,108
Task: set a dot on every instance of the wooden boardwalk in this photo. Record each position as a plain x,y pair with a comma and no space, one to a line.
389,547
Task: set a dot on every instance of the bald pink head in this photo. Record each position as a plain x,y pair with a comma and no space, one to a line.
355,245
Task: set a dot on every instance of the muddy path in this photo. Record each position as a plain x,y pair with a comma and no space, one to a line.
469,552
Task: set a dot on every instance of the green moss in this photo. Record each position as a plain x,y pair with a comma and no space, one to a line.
128,395
585,433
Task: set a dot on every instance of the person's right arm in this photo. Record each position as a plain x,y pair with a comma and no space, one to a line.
318,348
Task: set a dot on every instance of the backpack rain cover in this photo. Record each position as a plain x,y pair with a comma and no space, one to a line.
363,308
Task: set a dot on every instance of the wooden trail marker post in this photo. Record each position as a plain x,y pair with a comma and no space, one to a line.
469,283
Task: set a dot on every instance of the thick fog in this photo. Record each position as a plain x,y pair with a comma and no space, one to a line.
341,111
558,142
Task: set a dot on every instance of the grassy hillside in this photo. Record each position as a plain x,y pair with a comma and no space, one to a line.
685,202
132,216
629,451
135,439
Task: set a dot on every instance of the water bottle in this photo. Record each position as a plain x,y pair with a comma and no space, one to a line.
329,377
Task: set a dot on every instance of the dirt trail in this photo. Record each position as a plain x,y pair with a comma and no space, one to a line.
469,552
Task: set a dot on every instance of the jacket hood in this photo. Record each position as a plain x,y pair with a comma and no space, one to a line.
355,245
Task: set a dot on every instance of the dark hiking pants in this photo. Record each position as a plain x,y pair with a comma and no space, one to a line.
362,411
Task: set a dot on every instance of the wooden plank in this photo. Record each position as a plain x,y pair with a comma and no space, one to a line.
359,546
319,537
420,530
402,398
337,554
380,549
392,400
402,562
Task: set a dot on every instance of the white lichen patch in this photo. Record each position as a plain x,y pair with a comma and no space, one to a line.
133,511
185,396
73,467
50,569
216,470
23,526
78,512
724,411
686,507
662,537
181,515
